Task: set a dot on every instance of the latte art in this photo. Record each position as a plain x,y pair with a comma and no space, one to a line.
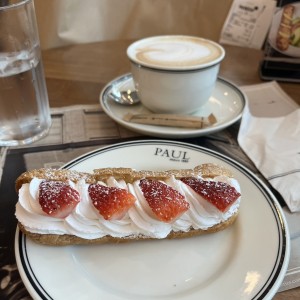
175,52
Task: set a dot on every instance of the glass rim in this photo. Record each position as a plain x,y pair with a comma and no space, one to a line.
14,5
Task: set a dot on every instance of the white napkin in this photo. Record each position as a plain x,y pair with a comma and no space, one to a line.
270,135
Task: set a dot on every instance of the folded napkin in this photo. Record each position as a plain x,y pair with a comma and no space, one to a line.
270,135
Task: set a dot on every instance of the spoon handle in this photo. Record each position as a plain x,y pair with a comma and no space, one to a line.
171,120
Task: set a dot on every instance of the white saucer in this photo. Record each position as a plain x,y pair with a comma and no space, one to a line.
226,103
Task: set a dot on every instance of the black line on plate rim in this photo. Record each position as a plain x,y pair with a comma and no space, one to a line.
280,225
35,284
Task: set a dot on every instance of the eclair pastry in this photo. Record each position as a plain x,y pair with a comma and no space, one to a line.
65,207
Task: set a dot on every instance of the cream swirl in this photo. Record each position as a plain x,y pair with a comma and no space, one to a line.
170,52
86,222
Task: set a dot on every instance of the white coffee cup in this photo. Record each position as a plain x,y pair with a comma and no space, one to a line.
175,73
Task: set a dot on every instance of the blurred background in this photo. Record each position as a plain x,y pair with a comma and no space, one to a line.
64,22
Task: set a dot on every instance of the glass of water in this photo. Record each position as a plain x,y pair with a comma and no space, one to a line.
24,107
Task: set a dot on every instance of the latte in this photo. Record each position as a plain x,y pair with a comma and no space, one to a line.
175,52
174,74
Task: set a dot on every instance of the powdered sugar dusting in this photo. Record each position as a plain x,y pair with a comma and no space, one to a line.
218,193
111,202
167,203
57,198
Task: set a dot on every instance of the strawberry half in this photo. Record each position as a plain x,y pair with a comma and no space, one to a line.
111,202
57,199
220,194
166,203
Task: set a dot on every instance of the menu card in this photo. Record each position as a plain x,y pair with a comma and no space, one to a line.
282,49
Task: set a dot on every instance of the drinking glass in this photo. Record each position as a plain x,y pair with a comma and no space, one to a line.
24,107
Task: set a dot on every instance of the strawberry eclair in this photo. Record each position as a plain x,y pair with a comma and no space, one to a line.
64,207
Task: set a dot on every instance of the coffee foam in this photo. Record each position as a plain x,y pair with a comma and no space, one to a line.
175,52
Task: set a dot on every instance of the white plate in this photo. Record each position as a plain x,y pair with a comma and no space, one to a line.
292,50
226,103
246,261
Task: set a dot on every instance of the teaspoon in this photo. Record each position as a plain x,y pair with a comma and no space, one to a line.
128,97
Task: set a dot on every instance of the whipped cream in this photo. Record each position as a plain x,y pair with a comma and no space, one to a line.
86,222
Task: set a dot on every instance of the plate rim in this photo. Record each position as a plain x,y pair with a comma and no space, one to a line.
151,130
277,274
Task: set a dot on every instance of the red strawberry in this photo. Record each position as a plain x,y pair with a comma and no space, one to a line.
166,203
220,194
57,199
111,202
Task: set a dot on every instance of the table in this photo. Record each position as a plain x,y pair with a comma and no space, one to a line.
76,74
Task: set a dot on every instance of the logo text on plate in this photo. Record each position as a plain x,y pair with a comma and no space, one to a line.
174,155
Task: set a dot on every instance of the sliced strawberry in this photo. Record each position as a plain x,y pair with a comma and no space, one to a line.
111,202
166,203
57,199
220,194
